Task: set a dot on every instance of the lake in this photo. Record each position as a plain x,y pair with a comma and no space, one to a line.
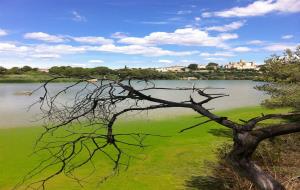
14,106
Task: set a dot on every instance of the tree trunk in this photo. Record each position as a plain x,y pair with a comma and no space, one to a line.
240,159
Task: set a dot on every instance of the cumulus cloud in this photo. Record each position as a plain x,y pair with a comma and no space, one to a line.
62,49
228,36
280,47
221,54
3,32
286,37
184,12
119,35
185,36
185,61
258,8
10,47
46,56
59,49
92,40
96,61
197,18
165,61
44,37
77,17
255,42
140,50
214,59
228,27
241,49
63,38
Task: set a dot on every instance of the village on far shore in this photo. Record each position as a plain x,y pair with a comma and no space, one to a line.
194,67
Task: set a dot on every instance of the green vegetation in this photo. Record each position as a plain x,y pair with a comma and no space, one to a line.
222,74
193,66
28,74
212,66
283,75
30,78
168,163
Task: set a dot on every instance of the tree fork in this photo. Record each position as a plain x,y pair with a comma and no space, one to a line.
239,158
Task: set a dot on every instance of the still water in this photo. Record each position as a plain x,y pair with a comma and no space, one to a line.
14,106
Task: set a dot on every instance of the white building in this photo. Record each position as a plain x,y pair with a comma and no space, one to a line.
201,66
43,70
171,69
241,65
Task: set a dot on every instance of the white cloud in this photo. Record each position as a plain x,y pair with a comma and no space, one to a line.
41,50
228,36
96,61
286,37
214,59
227,27
221,54
10,47
155,22
241,49
3,32
54,51
44,37
165,61
255,42
93,40
62,38
175,19
45,56
187,61
77,17
7,46
185,36
258,8
197,18
119,35
280,47
140,50
59,49
206,14
184,12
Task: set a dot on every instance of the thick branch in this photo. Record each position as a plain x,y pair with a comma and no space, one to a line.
276,130
252,122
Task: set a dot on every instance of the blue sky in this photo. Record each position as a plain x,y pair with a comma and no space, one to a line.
138,33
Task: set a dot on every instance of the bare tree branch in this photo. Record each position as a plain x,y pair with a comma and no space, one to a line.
85,126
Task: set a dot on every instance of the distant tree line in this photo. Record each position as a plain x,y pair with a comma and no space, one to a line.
109,73
209,66
212,71
17,70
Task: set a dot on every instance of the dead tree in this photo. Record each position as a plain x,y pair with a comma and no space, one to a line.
99,105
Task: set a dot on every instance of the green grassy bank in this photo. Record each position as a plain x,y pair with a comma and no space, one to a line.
166,164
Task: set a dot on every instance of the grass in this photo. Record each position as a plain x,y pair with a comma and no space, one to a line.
166,164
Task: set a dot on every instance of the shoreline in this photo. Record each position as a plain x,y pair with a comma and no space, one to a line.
71,81
165,118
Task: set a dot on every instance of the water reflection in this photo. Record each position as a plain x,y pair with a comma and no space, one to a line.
14,101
